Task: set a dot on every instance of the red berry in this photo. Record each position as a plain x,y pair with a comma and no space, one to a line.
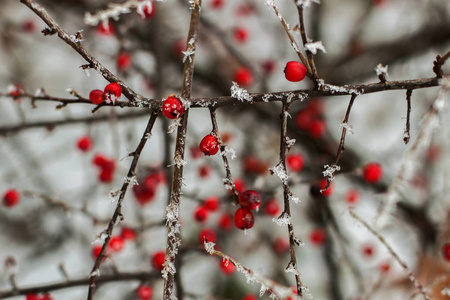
216,4
32,297
250,297
226,137
46,297
225,222
28,26
227,267
244,10
96,250
123,61
128,234
105,176
11,198
352,197
317,236
211,203
372,172
317,128
446,251
323,184
254,165
116,243
99,160
113,91
207,234
272,208
294,162
250,199
239,185
304,119
269,66
84,143
178,47
15,90
97,96
105,28
172,108
367,250
149,10
143,194
158,260
243,77
280,245
316,106
209,145
144,292
385,267
240,34
244,219
201,214
294,71
379,2
203,171
195,152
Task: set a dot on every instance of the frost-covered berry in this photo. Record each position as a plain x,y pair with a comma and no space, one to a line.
172,107
294,162
84,143
116,243
227,267
11,198
211,203
209,145
207,234
272,208
128,234
317,236
372,172
201,214
294,71
113,91
240,34
144,292
158,260
250,199
243,76
97,96
225,222
446,251
244,219
123,61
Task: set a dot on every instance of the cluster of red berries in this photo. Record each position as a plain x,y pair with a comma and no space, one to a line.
243,218
37,297
146,189
111,93
310,119
106,166
201,213
11,198
116,242
172,107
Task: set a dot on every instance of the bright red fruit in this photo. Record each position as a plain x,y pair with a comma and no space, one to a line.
113,91
250,199
143,194
209,145
227,267
243,76
367,250
385,267
244,219
84,143
294,162
272,208
323,184
158,260
372,172
280,245
201,214
211,203
239,185
207,234
11,198
250,297
116,243
149,10
144,292
203,171
225,221
46,297
317,236
105,28
123,61
97,96
352,197
446,251
105,176
216,4
32,297
97,249
15,90
294,71
240,34
317,128
128,234
269,66
172,107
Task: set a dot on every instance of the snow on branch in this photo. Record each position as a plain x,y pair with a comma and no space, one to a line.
313,47
240,93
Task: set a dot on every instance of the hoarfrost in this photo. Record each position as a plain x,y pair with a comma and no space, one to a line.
330,170
148,135
282,220
445,291
347,126
295,46
280,172
230,150
209,247
100,236
86,72
173,126
262,290
313,47
188,54
95,273
132,181
293,198
336,89
306,3
240,93
228,184
265,98
381,70
113,194
77,37
178,161
289,143
291,268
39,92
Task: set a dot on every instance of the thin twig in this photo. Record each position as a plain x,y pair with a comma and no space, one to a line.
118,211
438,63
406,134
411,277
344,130
309,55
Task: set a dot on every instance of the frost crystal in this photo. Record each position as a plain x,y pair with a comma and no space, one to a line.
77,37
188,54
306,3
148,135
86,72
284,219
178,161
230,150
313,47
445,291
330,170
293,198
347,126
101,236
262,290
209,247
173,126
95,273
295,46
289,143
240,93
228,184
280,172
39,92
381,70
266,97
132,181
113,194
291,269
336,89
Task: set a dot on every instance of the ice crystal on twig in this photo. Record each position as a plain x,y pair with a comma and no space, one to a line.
100,236
330,170
188,53
336,89
283,219
291,268
174,125
209,247
347,126
228,184
265,98
240,93
306,3
113,194
178,161
289,143
148,135
280,172
132,181
313,47
293,198
227,150
381,70
95,273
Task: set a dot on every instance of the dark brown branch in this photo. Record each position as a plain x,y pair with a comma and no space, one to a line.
45,288
344,130
406,135
309,55
438,63
118,211
75,43
173,210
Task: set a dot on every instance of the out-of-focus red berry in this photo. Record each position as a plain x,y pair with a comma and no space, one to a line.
11,198
144,292
323,184
294,162
84,143
372,172
227,267
317,236
212,203
123,61
116,243
272,207
207,234
225,222
201,214
106,28
352,197
280,245
158,260
243,77
240,34
128,234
